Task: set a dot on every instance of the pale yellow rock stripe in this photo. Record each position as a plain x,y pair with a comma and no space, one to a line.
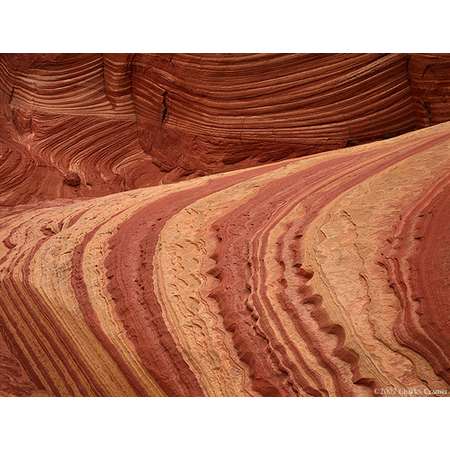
184,251
339,249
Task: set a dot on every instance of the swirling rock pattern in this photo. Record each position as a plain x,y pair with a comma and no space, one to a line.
119,122
320,275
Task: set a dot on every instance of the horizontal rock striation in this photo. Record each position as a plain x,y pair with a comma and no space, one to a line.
325,275
119,122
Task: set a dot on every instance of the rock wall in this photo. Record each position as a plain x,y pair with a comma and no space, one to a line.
119,122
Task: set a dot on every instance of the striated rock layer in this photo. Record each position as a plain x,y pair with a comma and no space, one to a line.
79,126
320,275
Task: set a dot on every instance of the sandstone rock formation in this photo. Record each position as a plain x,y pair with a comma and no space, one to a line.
320,275
120,122
224,225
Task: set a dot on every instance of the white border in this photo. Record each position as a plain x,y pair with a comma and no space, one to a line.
228,26
226,423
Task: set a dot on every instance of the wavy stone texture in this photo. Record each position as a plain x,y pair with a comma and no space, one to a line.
320,275
80,126
224,225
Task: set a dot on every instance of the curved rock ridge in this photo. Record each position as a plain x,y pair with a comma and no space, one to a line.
79,126
325,275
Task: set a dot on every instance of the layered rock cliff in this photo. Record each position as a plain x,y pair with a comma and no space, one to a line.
78,126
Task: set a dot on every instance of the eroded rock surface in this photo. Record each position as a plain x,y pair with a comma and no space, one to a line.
320,275
128,121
